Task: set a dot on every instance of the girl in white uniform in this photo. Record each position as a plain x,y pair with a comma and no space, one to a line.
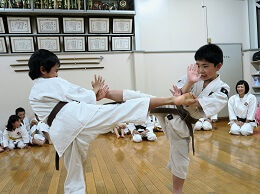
15,134
242,107
80,121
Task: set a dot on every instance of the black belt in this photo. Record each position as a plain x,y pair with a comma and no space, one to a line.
50,119
185,116
244,120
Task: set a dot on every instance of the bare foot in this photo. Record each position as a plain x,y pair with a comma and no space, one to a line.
1,149
185,99
117,136
123,136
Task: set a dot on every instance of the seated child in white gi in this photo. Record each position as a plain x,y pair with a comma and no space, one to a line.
205,123
120,130
24,120
81,120
15,134
157,126
1,141
142,131
242,107
39,132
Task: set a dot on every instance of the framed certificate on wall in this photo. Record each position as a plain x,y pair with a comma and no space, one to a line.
74,44
98,25
2,28
122,43
97,43
19,25
49,43
47,25
3,48
73,25
22,44
122,26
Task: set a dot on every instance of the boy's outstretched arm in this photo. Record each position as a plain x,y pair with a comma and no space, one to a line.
192,77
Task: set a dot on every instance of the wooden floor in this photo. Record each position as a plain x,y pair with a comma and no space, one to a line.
222,164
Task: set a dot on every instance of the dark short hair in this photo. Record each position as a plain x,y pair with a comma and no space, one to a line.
44,58
243,82
210,53
12,119
20,109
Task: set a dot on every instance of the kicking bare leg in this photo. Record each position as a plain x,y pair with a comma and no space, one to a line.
185,99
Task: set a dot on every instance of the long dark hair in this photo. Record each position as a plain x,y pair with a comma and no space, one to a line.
12,119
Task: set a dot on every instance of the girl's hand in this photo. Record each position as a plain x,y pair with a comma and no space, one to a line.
175,91
97,83
102,92
193,73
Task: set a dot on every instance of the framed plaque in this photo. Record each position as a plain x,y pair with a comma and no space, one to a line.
3,45
2,28
98,25
74,44
97,43
48,25
22,44
73,25
121,43
122,26
19,25
49,43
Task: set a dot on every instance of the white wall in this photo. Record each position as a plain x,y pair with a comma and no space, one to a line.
180,24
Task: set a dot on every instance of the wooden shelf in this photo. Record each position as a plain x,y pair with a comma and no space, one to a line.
68,68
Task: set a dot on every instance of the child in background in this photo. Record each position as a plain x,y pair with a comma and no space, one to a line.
39,132
144,131
24,120
15,134
119,130
1,141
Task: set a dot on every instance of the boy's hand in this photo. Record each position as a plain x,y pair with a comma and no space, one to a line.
102,92
97,83
193,74
175,91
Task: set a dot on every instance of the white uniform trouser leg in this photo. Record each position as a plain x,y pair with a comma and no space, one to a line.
246,129
206,126
20,144
75,181
11,144
137,138
198,125
235,129
151,136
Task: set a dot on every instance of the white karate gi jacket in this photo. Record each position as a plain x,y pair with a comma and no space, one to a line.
19,134
244,108
76,115
212,99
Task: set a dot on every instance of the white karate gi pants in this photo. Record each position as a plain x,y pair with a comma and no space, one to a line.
12,143
101,122
246,129
149,135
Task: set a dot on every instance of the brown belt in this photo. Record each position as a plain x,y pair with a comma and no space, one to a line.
51,117
185,116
